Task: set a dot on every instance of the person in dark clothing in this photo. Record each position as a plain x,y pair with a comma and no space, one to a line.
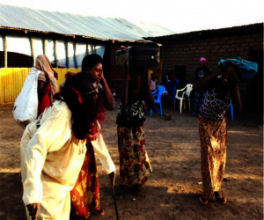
201,72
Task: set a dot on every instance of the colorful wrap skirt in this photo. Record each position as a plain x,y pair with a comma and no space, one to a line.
85,196
213,137
135,166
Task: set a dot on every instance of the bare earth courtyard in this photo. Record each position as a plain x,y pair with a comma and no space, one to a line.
173,190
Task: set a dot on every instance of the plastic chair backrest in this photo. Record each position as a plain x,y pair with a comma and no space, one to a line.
189,88
159,93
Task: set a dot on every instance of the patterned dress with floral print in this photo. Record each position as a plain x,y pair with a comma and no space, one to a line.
135,166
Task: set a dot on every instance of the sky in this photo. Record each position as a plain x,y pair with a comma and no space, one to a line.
176,15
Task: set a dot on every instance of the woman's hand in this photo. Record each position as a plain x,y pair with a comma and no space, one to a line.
102,75
33,210
112,177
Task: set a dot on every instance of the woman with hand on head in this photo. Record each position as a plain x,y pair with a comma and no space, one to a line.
93,65
220,87
86,192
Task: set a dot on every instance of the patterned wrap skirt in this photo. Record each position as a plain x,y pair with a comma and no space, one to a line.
85,196
135,166
213,137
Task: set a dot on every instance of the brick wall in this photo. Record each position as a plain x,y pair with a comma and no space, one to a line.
188,52
213,49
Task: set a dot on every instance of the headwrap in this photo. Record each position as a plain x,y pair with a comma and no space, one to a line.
202,59
46,67
246,69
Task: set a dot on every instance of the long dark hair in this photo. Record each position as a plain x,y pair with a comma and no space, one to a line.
84,110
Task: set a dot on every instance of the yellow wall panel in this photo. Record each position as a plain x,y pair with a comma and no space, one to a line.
12,81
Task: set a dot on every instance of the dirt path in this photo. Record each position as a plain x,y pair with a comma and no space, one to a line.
172,192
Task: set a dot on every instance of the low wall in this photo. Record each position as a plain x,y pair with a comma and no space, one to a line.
12,81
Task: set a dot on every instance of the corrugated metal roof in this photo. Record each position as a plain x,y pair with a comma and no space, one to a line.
248,29
70,24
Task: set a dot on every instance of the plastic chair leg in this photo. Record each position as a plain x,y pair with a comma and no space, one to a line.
150,113
160,110
231,111
180,106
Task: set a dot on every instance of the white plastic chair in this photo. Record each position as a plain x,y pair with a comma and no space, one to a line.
186,91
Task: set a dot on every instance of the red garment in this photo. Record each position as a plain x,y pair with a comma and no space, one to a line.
85,196
44,102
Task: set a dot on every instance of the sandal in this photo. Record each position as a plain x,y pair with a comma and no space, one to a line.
220,198
99,211
203,199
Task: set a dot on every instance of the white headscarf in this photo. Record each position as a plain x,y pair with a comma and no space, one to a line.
46,67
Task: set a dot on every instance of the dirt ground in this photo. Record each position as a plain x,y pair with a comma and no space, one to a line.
172,192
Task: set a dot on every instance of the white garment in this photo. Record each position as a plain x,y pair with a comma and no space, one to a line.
51,159
26,105
153,85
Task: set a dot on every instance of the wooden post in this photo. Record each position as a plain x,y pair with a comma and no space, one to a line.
74,56
44,46
5,50
94,48
87,49
31,40
67,53
55,53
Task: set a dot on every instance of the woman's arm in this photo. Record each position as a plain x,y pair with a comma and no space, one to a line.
203,83
108,99
236,100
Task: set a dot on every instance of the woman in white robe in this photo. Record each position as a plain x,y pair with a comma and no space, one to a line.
53,150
